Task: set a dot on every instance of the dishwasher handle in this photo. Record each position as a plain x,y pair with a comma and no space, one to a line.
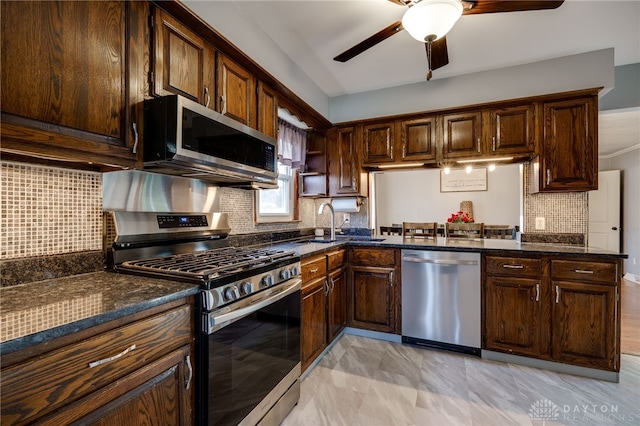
445,262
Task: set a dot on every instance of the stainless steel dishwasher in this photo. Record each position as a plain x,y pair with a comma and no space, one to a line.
441,300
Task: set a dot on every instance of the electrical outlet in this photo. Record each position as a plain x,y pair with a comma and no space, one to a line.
540,225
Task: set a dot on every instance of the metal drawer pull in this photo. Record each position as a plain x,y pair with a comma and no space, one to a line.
513,266
314,270
583,271
112,358
206,93
537,292
134,150
557,294
188,382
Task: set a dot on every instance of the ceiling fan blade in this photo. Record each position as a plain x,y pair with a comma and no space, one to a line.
401,2
497,6
369,42
439,54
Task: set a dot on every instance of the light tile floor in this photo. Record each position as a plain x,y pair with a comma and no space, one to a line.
364,381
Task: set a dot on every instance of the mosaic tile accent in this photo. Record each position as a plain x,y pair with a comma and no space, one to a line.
564,212
46,210
29,321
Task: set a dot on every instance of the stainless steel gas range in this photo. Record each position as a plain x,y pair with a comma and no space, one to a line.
248,312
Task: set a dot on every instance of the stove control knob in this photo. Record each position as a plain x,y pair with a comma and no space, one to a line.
231,293
294,271
267,280
247,287
285,274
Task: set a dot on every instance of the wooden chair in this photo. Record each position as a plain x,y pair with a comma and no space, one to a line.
390,230
464,230
419,229
504,232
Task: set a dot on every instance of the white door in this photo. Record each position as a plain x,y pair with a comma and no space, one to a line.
604,212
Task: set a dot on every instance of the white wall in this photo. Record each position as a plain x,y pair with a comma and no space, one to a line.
629,162
414,195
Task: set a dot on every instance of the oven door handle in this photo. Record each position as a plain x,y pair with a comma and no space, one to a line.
213,321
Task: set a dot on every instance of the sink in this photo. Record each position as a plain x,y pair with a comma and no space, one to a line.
315,241
358,238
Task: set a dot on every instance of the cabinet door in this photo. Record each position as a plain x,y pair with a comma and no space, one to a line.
570,147
513,315
73,77
345,176
236,92
462,135
314,178
337,302
378,140
183,63
314,320
418,139
371,298
160,393
584,320
513,130
267,110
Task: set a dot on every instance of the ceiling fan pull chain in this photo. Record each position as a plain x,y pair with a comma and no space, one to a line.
429,73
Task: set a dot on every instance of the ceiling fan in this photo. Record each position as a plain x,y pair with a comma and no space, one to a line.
429,20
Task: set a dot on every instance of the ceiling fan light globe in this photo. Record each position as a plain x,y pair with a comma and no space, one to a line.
431,17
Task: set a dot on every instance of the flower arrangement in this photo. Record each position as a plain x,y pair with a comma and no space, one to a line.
460,217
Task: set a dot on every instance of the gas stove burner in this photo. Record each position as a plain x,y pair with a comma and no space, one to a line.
210,264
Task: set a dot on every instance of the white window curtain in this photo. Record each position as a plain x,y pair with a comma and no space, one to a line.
292,145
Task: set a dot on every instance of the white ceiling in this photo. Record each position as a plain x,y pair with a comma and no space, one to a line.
311,33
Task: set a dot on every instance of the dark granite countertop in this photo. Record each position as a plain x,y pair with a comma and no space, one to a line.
40,311
497,246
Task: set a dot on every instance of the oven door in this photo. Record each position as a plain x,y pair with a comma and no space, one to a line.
249,357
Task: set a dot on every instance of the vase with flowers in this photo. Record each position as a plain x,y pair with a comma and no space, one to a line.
460,217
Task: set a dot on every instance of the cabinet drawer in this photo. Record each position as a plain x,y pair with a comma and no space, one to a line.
43,384
336,259
584,271
517,266
373,257
314,267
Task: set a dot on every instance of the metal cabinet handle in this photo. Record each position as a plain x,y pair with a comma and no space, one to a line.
391,277
111,358
326,287
223,104
557,294
333,284
583,271
548,176
537,292
206,92
513,266
493,144
135,138
187,360
314,270
478,144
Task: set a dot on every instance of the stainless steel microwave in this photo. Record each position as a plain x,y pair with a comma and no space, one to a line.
187,139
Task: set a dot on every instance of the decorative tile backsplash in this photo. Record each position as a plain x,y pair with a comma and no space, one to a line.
46,210
564,212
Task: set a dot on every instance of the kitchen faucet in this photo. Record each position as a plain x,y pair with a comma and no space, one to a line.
333,219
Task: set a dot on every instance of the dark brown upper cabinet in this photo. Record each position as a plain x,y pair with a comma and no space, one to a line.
462,135
267,110
236,94
183,63
417,140
569,153
346,177
378,142
74,80
513,130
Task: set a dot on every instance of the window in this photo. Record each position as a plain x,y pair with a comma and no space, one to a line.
278,205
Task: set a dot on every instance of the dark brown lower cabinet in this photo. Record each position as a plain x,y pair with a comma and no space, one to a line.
337,303
314,320
564,310
130,371
374,295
